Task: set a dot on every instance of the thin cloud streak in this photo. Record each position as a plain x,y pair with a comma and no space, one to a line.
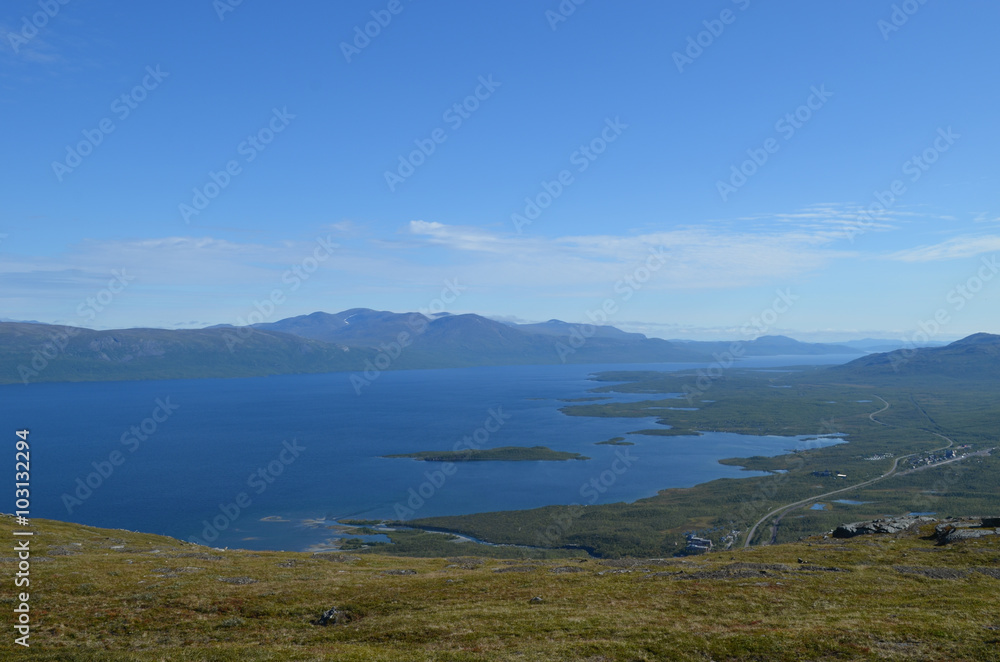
952,249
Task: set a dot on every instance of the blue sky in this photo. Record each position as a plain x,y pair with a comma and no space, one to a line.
119,119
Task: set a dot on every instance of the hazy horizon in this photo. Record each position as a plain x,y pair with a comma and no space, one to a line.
651,331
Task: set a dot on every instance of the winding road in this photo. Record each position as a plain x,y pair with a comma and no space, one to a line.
778,513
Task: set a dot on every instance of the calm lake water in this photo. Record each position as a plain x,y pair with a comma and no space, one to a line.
320,447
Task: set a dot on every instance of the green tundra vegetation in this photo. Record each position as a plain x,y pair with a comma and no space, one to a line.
924,413
100,595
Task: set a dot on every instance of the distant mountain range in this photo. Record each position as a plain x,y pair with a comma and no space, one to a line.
359,339
4,319
45,353
463,340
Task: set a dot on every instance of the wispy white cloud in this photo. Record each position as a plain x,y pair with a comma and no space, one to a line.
696,258
833,221
957,247
214,278
36,49
986,217
461,238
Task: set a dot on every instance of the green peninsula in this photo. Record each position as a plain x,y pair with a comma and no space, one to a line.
502,454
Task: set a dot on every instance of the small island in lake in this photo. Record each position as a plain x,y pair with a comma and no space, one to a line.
502,454
616,441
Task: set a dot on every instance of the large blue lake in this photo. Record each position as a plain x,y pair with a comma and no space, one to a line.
320,447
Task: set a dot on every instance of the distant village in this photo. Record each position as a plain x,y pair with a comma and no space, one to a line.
939,456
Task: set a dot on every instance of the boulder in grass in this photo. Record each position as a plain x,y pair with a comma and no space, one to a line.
956,531
333,616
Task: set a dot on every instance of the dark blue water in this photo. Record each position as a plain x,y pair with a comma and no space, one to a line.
320,448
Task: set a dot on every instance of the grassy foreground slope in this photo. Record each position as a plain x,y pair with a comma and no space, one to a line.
112,595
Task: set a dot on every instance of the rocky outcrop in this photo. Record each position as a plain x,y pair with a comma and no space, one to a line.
947,531
933,573
884,525
957,530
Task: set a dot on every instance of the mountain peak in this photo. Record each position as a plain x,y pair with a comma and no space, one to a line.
974,357
978,339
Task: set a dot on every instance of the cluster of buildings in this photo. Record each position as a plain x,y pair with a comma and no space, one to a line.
696,545
934,458
828,474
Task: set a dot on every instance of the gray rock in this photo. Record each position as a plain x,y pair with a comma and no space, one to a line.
933,573
198,555
336,557
333,616
242,581
884,525
957,534
955,530
739,570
